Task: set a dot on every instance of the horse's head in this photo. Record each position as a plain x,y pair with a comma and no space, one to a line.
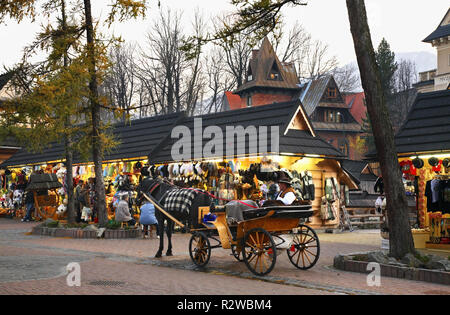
155,187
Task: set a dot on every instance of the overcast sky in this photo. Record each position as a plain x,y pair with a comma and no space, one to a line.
404,23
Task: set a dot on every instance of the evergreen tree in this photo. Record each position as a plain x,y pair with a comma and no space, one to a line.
63,91
388,66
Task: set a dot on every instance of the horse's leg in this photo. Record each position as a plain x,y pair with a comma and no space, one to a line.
170,226
161,220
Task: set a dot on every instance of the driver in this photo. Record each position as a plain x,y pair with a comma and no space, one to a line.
287,193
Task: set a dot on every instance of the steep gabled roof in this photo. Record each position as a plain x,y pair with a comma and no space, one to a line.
427,127
314,93
261,66
443,30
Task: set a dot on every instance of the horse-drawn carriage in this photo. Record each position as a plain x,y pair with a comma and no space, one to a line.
257,237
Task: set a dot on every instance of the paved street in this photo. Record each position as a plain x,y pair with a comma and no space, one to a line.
37,265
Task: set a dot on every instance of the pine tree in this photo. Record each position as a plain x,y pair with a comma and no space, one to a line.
54,94
388,66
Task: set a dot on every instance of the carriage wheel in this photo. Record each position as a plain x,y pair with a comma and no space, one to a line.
305,250
238,255
259,251
200,249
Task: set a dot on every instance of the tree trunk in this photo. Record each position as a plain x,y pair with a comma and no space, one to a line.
71,215
400,236
100,196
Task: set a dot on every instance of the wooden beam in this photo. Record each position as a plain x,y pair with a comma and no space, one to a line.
162,210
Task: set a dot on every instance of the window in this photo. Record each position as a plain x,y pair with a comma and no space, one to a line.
343,146
333,116
274,73
249,101
332,92
249,74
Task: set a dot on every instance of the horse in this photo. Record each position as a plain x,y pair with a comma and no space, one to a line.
160,189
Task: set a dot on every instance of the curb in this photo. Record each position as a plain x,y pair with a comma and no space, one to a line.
407,273
83,234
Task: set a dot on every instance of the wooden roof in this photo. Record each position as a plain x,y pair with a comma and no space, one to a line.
427,128
43,182
261,66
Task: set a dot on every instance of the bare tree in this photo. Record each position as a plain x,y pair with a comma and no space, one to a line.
120,85
347,78
219,80
237,52
314,61
169,81
400,102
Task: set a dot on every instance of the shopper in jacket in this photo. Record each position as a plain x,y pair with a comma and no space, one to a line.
123,211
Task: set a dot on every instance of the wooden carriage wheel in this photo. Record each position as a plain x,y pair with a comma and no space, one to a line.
238,255
259,251
305,249
200,249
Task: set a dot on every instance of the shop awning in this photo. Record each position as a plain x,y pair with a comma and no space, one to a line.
43,182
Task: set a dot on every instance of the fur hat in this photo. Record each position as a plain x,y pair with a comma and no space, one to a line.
418,163
284,178
433,161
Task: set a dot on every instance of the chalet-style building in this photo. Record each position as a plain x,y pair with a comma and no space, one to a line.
270,81
438,79
267,81
330,115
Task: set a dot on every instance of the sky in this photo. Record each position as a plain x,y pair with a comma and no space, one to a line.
404,23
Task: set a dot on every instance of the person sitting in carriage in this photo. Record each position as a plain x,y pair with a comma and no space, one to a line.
287,193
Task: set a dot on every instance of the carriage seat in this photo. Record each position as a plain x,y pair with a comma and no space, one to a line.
235,210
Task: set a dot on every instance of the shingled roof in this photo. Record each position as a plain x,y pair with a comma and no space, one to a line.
152,136
443,30
137,138
260,68
427,127
291,141
313,93
4,79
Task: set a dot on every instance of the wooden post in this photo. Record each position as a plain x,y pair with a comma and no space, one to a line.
163,211
36,203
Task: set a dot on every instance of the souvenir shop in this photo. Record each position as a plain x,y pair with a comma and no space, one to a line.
318,181
311,163
423,146
428,177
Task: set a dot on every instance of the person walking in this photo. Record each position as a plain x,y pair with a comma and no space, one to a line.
29,204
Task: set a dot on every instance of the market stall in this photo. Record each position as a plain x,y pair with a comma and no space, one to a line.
423,146
146,145
46,197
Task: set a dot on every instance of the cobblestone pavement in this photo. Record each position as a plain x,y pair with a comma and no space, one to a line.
32,264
